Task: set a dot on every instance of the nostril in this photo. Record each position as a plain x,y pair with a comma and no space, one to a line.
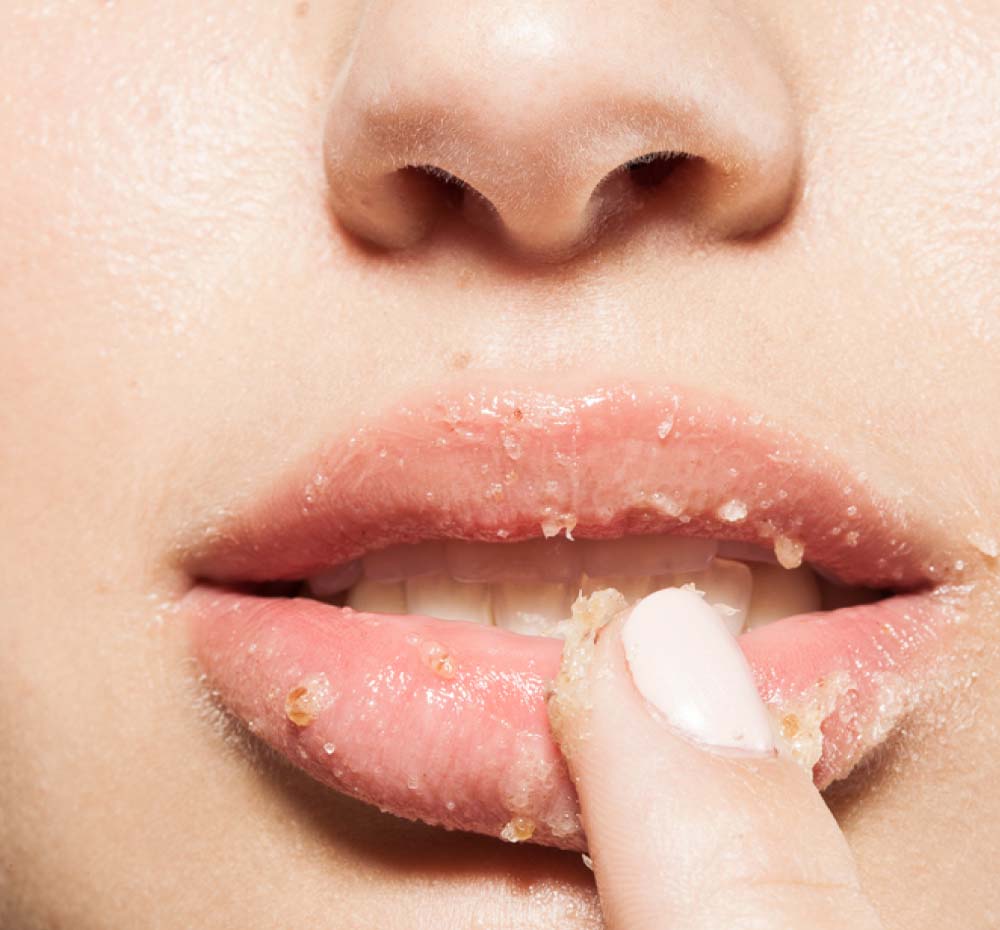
651,170
396,208
528,142
444,187
444,195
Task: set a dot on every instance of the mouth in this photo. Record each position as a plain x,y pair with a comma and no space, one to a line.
389,619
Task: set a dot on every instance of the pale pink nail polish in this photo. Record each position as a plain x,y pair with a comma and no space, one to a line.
687,664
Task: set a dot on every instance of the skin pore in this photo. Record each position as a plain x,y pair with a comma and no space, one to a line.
183,316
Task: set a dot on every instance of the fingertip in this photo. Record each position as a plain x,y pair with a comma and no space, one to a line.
681,789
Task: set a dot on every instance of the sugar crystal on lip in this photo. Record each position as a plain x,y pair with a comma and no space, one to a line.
518,830
789,726
665,504
732,511
511,446
438,659
563,522
307,699
788,552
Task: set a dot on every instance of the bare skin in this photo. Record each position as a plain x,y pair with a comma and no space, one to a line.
190,299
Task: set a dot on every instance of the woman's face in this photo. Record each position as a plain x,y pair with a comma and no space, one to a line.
210,275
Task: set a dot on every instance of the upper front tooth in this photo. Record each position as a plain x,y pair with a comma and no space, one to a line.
533,609
633,588
746,552
378,597
646,555
550,560
441,597
397,563
728,587
781,592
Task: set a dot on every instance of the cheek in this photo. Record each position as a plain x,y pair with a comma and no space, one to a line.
143,188
158,199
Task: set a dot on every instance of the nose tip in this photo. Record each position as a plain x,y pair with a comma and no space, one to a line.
542,126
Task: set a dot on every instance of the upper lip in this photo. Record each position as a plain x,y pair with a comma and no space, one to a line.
499,464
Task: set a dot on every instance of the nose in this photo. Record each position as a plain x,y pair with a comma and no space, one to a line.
546,124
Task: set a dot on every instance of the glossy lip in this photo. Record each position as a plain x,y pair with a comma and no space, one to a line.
445,722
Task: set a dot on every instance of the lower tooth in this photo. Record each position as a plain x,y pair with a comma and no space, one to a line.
781,592
378,597
441,597
532,609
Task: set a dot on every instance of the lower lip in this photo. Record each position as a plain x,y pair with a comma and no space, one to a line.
446,722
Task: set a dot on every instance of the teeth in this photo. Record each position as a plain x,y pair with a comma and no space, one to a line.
728,586
646,555
746,552
397,563
378,597
780,592
533,609
529,587
633,589
441,597
552,560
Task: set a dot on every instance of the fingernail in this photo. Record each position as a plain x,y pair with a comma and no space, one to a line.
688,666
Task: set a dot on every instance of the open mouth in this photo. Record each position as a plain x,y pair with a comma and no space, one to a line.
530,587
390,619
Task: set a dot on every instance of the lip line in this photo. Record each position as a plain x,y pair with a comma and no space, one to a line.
400,478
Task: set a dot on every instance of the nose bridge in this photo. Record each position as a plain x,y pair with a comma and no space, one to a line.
532,105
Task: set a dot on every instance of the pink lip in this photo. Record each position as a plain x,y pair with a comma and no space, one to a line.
446,722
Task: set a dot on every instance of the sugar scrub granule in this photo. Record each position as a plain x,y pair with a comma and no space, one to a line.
528,780
570,695
788,552
799,721
531,787
732,511
305,702
560,523
438,659
518,830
